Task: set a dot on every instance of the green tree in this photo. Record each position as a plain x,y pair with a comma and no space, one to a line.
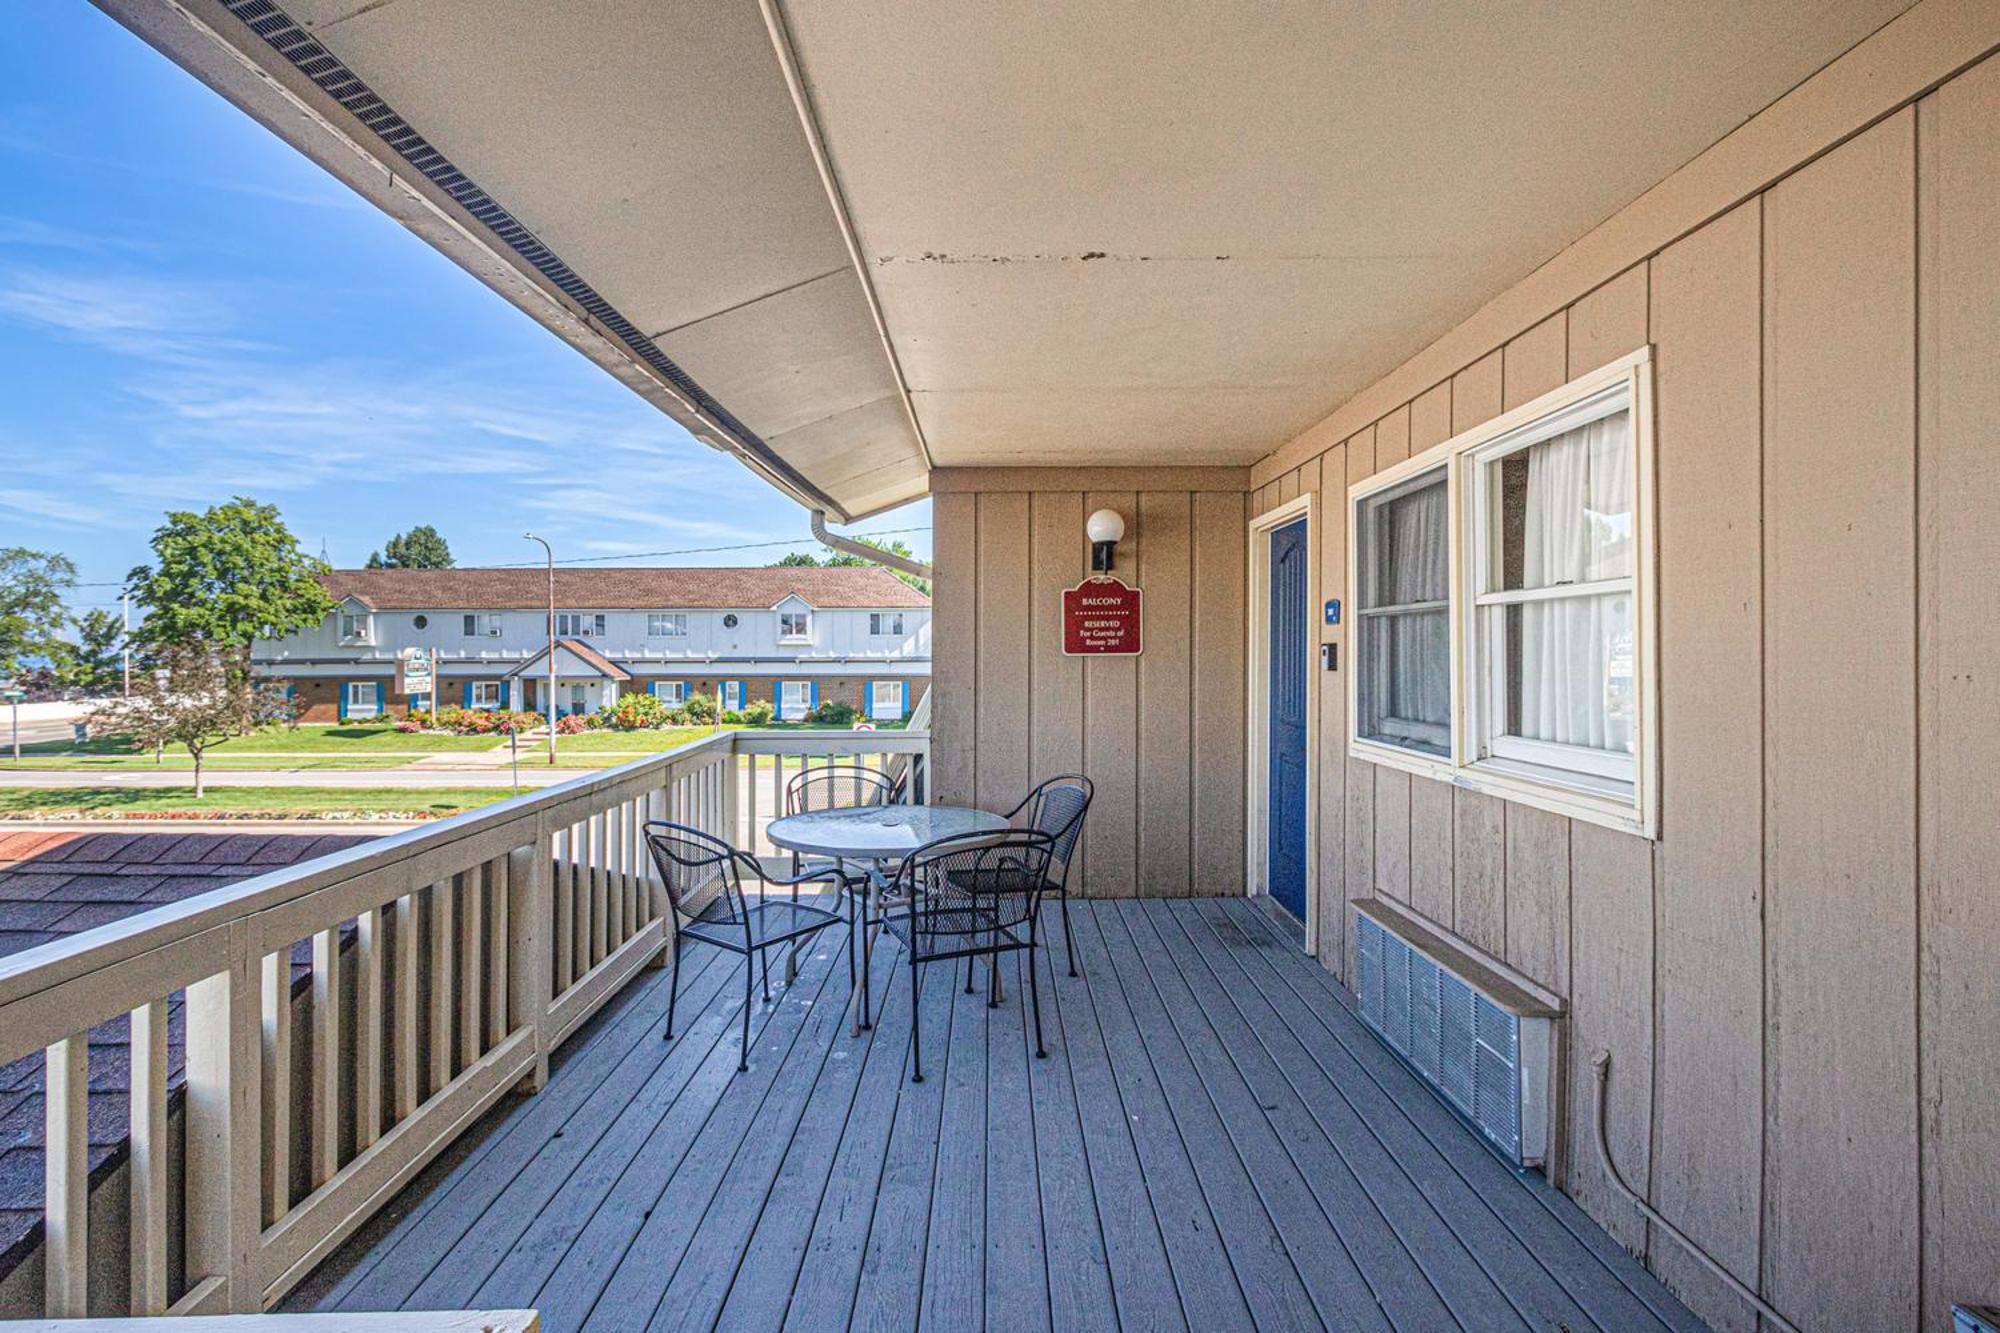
842,560
796,560
419,548
225,578
32,585
96,664
195,699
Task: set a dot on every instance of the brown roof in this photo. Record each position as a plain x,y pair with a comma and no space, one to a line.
588,655
865,587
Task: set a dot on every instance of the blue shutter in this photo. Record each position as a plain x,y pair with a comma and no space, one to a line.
341,686
468,694
905,687
812,695
381,698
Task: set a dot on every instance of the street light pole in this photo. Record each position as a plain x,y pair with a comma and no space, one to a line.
550,702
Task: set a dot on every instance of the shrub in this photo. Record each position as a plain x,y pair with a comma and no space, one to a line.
636,712
759,712
731,718
832,713
573,724
700,709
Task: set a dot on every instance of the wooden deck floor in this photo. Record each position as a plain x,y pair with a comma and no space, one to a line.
1214,1143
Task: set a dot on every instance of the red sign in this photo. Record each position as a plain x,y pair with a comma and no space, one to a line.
1100,618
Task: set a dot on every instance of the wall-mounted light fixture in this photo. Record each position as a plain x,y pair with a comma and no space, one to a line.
1105,527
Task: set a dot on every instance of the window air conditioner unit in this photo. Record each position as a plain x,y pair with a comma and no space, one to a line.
1481,1041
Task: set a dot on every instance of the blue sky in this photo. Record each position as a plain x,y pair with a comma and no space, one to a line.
189,310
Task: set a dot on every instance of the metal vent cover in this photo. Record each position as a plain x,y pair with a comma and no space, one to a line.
1488,1063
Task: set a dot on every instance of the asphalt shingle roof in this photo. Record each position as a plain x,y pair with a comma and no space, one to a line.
845,587
56,884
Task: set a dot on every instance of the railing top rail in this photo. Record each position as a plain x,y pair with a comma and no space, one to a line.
832,741
37,969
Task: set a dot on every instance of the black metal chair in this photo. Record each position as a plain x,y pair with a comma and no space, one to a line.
968,896
1057,807
689,861
836,787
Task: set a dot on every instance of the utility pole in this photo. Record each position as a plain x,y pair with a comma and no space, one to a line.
550,703
125,600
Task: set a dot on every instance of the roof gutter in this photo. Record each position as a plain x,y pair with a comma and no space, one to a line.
873,554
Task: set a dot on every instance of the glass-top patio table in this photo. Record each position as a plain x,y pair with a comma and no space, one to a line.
869,834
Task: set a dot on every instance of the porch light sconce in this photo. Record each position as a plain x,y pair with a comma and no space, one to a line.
1105,527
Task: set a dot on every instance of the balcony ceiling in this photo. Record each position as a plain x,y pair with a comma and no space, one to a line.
1098,232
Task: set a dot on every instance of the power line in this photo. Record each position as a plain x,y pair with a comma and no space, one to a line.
599,559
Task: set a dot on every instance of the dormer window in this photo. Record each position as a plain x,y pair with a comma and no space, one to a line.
794,626
357,627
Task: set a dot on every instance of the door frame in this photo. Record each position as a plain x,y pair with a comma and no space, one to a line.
1257,719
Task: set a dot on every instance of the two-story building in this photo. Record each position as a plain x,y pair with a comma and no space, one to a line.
797,637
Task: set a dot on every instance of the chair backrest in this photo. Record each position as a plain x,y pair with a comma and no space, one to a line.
973,883
689,860
1057,807
838,787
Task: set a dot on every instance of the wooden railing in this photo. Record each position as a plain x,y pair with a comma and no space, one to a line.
347,1018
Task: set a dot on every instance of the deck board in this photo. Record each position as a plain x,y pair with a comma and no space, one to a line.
1213,1142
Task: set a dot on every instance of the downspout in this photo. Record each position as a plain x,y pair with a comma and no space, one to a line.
1652,1214
872,554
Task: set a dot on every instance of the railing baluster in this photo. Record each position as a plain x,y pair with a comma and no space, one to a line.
148,1173
275,1010
66,1176
498,961
562,860
600,890
367,1027
471,953
403,1046
325,1055
443,953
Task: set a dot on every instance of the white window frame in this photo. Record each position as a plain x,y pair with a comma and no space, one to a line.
482,688
368,709
894,712
1376,496
580,624
479,625
732,696
677,695
805,689
800,636
666,625
1566,780
894,621
357,627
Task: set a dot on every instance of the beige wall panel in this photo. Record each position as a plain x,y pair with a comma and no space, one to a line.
1959,687
1288,488
1609,322
1164,572
1330,874
1479,822
1708,1135
1839,372
1111,733
1217,664
1611,1009
1058,558
1534,363
1358,874
1392,833
1392,437
1001,733
954,557
1430,418
1537,874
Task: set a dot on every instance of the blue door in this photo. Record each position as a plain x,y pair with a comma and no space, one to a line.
1286,824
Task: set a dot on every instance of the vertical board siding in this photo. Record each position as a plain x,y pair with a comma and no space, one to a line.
1958,685
1000,735
1430,800
1165,572
954,645
1609,322
1479,827
1058,558
1839,406
1707,313
1111,734
1332,814
1217,687
1359,874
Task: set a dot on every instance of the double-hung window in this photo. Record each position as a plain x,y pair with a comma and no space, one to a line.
1403,615
885,624
363,698
357,627
580,624
666,625
481,626
1502,605
485,694
794,626
672,693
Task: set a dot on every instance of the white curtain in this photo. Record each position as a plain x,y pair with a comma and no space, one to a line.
1577,652
1410,678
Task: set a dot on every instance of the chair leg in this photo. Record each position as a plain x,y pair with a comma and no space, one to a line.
743,1060
916,1030
867,962
1069,937
764,960
993,979
1035,991
674,986
968,974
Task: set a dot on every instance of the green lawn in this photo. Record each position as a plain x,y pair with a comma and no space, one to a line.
627,742
355,737
274,802
217,759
